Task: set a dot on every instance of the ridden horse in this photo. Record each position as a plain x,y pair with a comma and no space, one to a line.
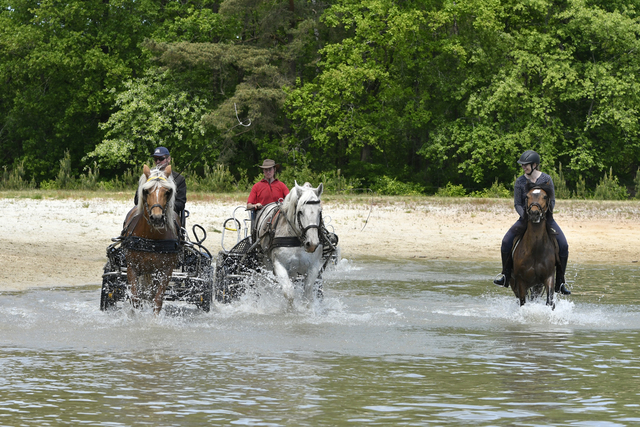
536,253
150,238
289,235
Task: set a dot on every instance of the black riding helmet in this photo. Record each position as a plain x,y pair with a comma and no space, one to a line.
528,157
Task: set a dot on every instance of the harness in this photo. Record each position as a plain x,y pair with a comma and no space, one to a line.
289,241
143,244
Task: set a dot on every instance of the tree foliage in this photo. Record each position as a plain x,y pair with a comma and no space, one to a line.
424,92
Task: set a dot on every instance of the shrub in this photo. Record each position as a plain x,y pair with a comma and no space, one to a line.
451,190
332,181
387,186
218,179
610,189
90,180
14,179
636,182
559,183
581,191
496,191
65,180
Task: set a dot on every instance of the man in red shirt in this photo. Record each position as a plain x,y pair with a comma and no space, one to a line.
269,189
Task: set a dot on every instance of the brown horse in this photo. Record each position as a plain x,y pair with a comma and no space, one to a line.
151,238
535,255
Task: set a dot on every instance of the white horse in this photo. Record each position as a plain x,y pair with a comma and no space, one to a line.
289,236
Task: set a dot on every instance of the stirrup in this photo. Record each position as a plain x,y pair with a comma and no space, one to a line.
501,280
564,290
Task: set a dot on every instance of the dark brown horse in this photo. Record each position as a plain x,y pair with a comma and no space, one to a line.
151,238
535,255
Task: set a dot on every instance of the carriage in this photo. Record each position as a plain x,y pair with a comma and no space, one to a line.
191,281
154,260
246,257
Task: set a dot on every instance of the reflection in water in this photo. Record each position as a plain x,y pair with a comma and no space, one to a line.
392,343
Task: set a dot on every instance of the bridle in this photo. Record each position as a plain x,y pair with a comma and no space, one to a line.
148,208
302,232
538,205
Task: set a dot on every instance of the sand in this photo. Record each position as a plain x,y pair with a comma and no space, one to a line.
51,242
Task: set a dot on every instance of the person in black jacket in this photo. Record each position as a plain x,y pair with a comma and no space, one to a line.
163,159
530,161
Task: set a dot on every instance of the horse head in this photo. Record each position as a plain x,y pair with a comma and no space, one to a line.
304,209
156,195
537,204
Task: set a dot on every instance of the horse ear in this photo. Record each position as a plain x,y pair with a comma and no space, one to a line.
146,171
167,171
295,181
319,190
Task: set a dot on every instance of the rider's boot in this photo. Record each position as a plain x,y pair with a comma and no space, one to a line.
561,267
503,278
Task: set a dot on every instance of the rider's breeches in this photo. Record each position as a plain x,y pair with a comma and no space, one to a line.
517,229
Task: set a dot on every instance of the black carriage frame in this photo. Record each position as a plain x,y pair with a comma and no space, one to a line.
235,266
191,281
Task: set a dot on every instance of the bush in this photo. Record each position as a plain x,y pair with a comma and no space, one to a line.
496,191
218,179
451,190
387,186
636,182
610,189
90,180
333,181
559,183
14,179
65,180
581,191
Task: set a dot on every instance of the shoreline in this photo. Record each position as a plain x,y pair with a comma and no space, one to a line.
52,242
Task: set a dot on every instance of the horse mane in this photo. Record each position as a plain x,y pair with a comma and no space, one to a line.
297,197
150,183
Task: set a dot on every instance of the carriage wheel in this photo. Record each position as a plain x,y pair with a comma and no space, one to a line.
109,292
221,281
207,291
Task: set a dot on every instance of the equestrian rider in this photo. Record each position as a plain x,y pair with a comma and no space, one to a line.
162,159
530,161
267,190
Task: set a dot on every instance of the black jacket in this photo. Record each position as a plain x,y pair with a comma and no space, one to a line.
181,193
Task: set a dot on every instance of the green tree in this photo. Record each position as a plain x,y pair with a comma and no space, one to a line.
58,63
153,112
246,74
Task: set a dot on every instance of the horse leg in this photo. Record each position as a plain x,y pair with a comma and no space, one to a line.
132,278
310,281
159,285
550,285
521,292
283,278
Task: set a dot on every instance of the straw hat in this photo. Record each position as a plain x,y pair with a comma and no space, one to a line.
268,163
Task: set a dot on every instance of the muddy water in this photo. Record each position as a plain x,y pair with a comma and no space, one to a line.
392,343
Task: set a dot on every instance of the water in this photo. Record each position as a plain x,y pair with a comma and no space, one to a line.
393,343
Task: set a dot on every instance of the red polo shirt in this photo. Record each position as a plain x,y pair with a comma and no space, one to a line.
265,193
